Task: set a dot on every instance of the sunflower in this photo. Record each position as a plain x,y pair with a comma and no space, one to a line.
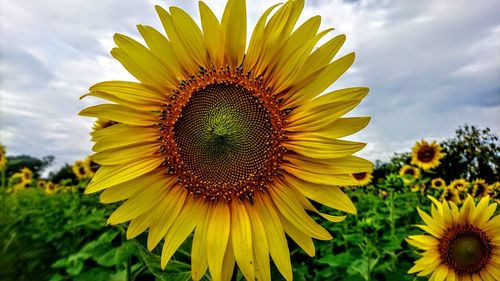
79,169
425,155
450,194
27,175
409,173
463,244
415,188
226,141
363,178
41,184
3,158
90,167
479,188
50,188
459,184
438,183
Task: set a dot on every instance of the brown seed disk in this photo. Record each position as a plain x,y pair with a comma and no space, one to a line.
221,134
465,248
359,176
426,154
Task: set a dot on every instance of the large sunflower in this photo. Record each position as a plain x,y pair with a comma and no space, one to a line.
463,244
226,141
425,155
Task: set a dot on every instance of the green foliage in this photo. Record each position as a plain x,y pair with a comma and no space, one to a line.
472,153
64,173
368,246
16,163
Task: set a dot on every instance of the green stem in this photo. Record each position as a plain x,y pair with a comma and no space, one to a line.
368,252
127,268
391,213
3,180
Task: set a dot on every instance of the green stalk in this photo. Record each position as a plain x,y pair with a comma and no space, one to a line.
391,213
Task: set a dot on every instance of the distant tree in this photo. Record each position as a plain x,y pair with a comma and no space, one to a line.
37,166
472,153
65,173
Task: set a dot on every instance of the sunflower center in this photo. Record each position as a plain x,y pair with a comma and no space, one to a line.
426,154
480,189
466,249
438,183
222,135
359,176
410,172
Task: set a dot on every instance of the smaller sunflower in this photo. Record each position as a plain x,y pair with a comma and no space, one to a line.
415,188
79,169
362,178
450,194
27,175
3,158
50,188
480,188
459,184
409,173
41,184
16,182
438,183
463,244
90,167
425,155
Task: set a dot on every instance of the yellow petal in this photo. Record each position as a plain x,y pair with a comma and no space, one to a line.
139,225
275,235
255,48
228,263
303,240
260,245
292,210
335,103
125,190
170,208
344,165
330,74
337,129
241,233
330,196
217,237
124,135
190,35
189,217
140,203
162,49
199,263
321,57
108,176
325,148
213,33
125,154
142,64
188,62
120,114
234,23
321,179
430,222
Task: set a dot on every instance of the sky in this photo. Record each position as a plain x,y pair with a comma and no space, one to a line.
430,66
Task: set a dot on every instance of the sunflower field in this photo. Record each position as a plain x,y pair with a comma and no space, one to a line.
230,158
53,231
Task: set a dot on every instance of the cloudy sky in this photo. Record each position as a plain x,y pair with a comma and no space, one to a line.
431,66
